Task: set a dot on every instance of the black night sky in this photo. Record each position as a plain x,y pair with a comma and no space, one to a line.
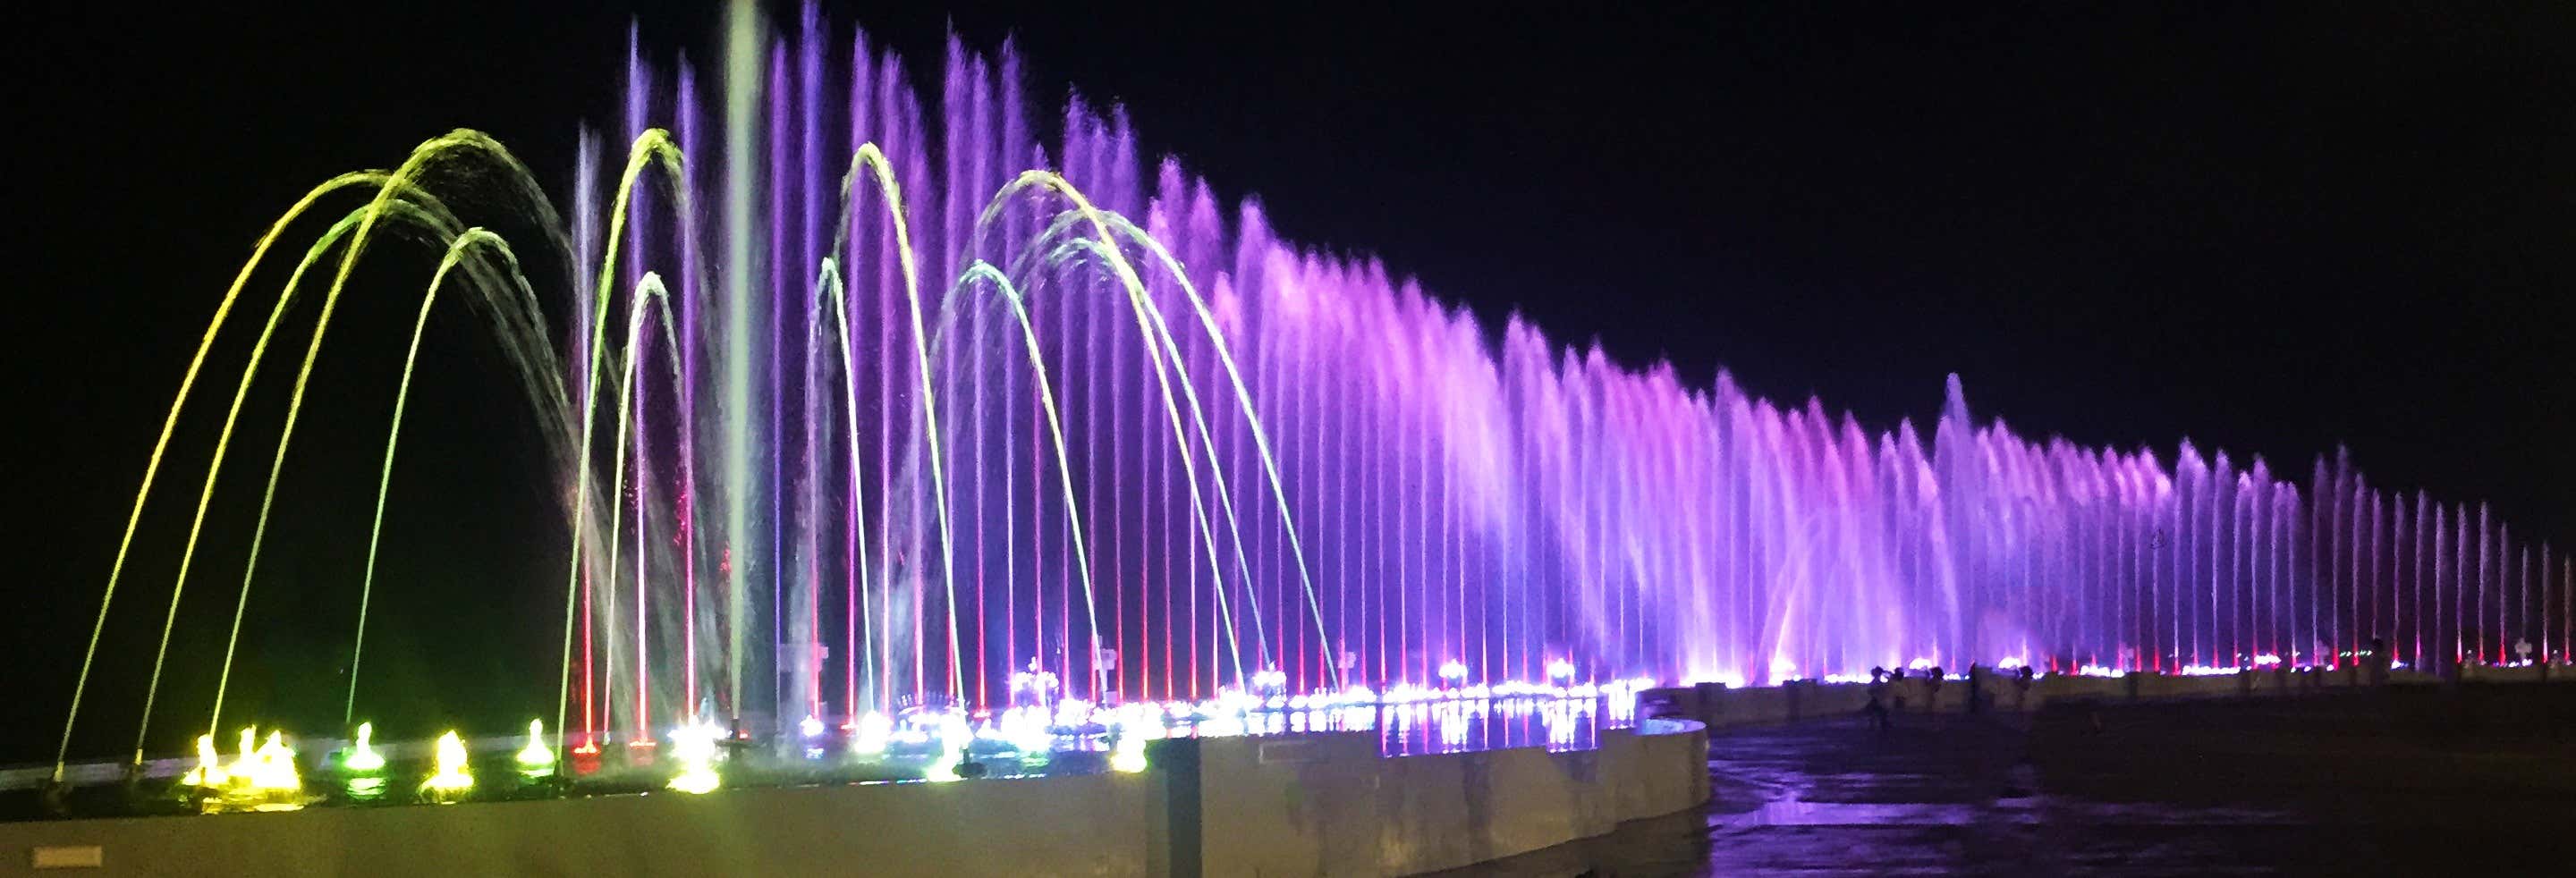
2269,228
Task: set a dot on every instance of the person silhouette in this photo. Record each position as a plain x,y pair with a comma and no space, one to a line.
1878,699
1976,688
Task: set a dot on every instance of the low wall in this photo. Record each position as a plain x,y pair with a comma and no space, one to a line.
1717,706
1327,804
1314,804
1089,825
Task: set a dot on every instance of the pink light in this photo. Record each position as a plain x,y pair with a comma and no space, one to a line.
589,714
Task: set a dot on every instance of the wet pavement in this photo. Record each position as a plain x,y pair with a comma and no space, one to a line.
2299,788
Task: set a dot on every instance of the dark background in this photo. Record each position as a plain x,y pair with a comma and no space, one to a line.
2271,229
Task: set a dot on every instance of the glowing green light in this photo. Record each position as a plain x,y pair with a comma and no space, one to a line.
362,757
364,767
536,759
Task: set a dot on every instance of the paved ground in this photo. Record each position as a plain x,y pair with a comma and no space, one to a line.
2423,784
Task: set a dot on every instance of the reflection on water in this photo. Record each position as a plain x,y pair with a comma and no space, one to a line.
1441,726
1964,796
1024,742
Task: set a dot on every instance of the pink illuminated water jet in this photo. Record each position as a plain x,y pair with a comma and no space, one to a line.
1453,506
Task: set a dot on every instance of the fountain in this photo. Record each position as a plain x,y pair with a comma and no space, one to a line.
869,432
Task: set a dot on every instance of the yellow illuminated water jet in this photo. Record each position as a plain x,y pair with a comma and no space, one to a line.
241,762
261,778
273,766
452,777
208,772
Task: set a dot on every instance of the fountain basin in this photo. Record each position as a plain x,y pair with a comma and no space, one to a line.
1321,803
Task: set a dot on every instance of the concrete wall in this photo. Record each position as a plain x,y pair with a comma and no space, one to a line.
1316,804
1090,825
1327,804
2532,673
1647,783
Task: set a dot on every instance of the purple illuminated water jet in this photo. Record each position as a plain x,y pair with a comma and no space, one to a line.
1449,503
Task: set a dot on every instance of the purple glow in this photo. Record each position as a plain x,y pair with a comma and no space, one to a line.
1473,507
